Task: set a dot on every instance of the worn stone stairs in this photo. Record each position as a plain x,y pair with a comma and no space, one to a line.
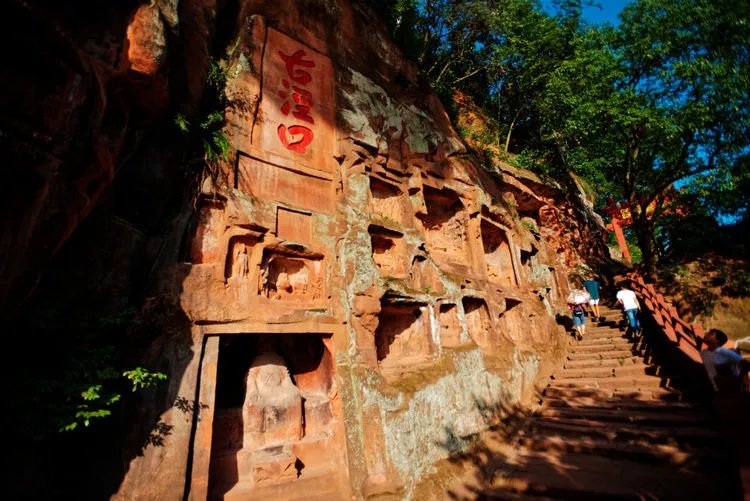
610,426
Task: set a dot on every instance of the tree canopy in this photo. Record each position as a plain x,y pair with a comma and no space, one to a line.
659,99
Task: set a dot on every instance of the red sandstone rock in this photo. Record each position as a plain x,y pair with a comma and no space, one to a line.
351,266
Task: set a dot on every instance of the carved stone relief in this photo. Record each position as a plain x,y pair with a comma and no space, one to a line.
290,278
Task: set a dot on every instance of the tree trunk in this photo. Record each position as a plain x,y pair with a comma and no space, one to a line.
645,234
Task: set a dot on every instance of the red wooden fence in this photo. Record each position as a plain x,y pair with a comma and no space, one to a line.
685,336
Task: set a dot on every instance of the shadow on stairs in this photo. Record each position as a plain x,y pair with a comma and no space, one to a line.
610,425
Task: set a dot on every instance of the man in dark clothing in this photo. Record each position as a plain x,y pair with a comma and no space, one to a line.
592,287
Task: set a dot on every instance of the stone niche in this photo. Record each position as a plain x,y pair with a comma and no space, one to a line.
477,320
498,257
450,326
237,269
386,202
424,276
291,274
445,226
388,251
274,413
209,227
402,339
555,292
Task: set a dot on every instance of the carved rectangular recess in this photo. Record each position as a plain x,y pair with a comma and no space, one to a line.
293,225
498,257
555,293
477,320
388,251
273,411
450,326
402,338
204,245
237,268
386,202
291,274
445,224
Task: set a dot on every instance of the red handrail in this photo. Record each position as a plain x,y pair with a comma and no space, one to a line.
686,337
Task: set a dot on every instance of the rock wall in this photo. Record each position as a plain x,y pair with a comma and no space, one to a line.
361,293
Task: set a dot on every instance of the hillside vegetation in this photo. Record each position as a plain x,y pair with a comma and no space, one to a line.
659,99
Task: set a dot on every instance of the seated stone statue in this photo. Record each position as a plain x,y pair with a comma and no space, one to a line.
272,412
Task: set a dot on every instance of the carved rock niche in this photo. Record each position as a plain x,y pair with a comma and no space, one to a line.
497,255
445,225
388,251
204,246
273,412
402,339
555,292
450,326
386,201
477,320
291,275
528,261
424,276
514,322
237,269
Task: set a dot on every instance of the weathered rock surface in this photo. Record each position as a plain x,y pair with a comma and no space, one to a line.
361,292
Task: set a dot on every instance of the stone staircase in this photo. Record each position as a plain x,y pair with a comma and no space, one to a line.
610,426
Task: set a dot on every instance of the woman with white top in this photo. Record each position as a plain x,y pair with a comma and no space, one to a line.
630,306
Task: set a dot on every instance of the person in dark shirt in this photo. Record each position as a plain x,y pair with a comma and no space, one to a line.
592,287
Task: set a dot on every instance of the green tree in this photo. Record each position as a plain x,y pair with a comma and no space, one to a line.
661,99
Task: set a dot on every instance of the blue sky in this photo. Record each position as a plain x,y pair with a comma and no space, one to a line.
607,11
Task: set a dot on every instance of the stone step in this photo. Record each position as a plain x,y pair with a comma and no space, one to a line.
659,418
665,394
599,345
612,325
587,477
603,362
636,405
609,430
600,355
600,372
604,334
630,394
641,381
695,459
505,495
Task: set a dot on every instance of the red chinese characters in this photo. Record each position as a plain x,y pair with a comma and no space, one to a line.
297,101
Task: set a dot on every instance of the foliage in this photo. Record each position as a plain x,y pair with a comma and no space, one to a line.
142,378
530,225
209,131
95,406
632,109
80,375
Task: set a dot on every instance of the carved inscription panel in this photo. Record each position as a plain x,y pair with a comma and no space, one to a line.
296,120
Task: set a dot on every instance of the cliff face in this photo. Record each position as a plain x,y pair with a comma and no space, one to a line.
356,294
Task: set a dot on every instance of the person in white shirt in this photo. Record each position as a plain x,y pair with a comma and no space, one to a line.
730,369
630,306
